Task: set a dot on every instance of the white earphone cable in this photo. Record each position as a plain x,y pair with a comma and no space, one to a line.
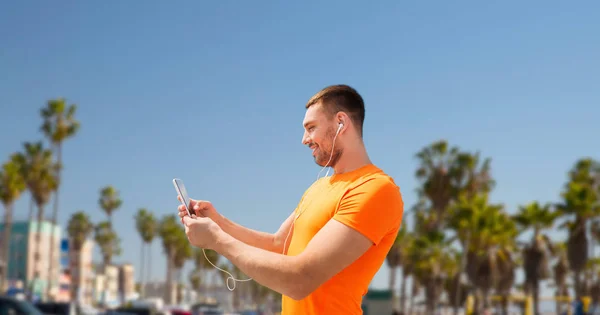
227,272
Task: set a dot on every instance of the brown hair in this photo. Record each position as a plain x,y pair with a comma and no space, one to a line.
341,98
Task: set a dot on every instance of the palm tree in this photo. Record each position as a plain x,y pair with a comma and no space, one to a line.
430,252
507,268
108,241
434,172
560,272
183,252
406,239
79,229
198,259
393,262
454,288
536,254
59,125
146,226
39,172
396,258
488,234
195,280
212,258
471,175
169,230
12,185
109,201
581,202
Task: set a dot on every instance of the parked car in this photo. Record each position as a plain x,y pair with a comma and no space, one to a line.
57,308
14,306
206,309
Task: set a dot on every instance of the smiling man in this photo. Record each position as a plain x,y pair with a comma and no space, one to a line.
324,256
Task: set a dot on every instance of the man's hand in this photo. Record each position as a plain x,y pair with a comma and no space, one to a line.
201,208
263,240
201,232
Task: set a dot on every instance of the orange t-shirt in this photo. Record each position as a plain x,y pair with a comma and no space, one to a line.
366,200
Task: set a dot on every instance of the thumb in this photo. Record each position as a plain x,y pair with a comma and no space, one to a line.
187,220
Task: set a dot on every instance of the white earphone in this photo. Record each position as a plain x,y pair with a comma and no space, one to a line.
341,124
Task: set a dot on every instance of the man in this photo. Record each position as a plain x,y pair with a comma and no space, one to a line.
324,256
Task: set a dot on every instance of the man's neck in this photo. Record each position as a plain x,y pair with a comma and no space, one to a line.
353,158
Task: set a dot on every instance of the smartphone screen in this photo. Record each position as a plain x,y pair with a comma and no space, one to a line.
183,193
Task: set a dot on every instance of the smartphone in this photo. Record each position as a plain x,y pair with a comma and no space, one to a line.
178,183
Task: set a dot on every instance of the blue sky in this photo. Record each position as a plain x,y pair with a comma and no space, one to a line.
214,93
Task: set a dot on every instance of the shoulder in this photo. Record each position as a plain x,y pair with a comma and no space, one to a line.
372,204
378,185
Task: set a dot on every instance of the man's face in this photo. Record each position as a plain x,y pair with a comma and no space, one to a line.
319,131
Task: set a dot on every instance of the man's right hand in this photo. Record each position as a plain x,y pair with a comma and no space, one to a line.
267,241
200,208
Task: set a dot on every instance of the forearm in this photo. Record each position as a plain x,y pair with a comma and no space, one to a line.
278,272
251,237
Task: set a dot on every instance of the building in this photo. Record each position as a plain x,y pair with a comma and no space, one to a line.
126,282
80,267
106,285
63,293
158,290
22,248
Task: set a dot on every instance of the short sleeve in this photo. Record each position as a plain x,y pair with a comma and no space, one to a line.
373,208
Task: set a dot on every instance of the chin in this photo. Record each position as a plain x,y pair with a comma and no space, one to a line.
320,161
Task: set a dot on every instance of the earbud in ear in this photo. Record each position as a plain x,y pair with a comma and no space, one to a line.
341,125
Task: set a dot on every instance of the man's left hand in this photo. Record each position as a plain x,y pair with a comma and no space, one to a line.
201,232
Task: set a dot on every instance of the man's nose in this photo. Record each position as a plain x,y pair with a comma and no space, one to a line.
305,138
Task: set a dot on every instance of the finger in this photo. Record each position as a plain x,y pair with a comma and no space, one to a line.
200,205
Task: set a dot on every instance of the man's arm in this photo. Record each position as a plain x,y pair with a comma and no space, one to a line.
333,248
365,215
267,241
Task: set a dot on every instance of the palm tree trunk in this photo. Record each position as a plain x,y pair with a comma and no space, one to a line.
31,208
75,284
179,285
591,279
536,297
577,284
403,291
54,220
142,258
504,303
6,246
463,267
558,302
413,294
169,278
430,295
393,285
149,254
38,241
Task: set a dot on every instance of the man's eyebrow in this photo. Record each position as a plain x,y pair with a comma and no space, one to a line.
310,122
